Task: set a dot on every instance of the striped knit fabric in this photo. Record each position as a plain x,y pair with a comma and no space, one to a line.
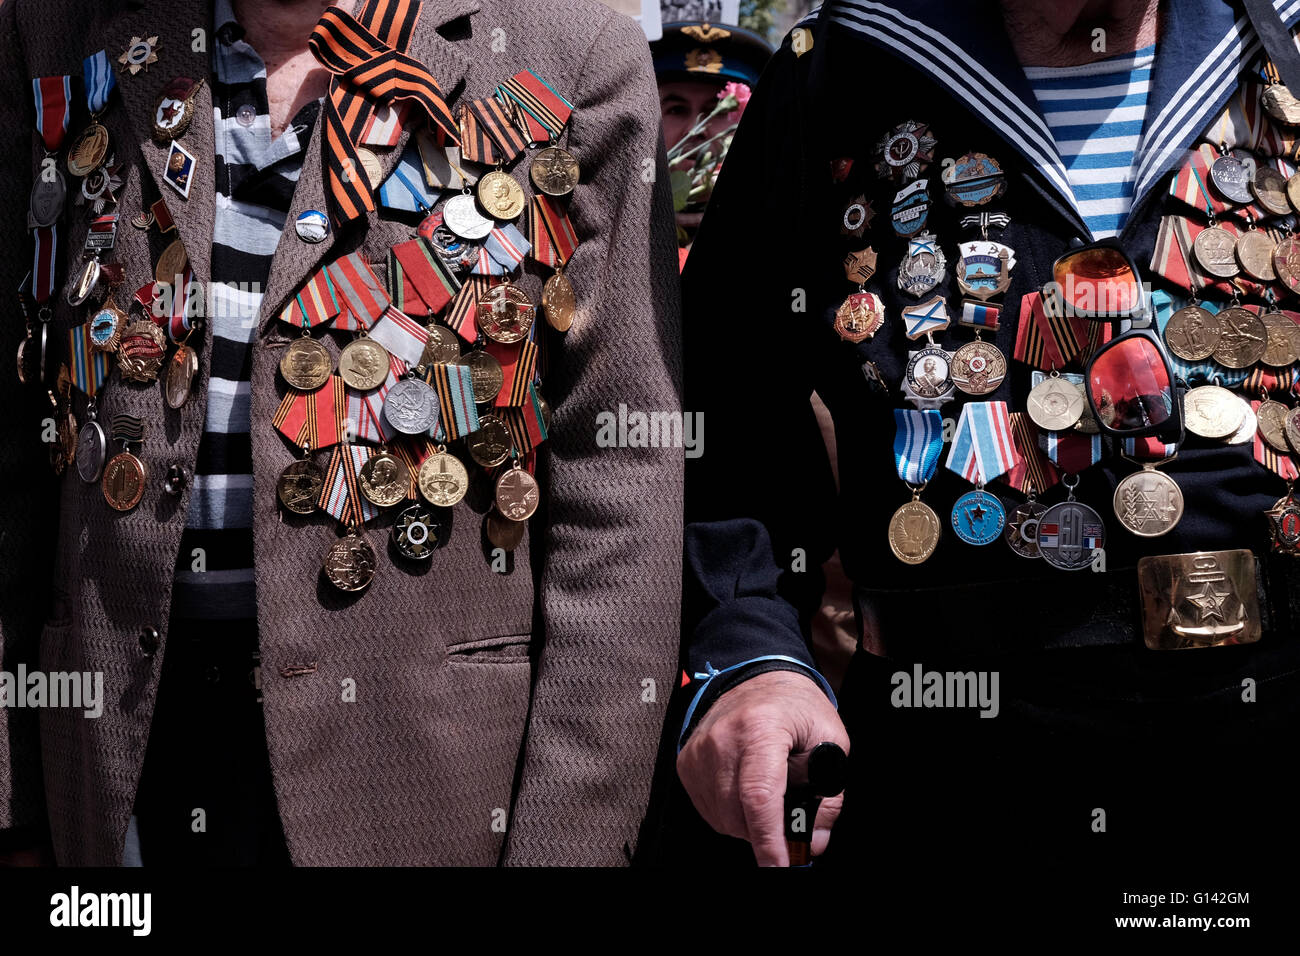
1096,112
255,179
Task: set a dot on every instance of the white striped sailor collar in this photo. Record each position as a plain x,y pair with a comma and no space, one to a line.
1202,50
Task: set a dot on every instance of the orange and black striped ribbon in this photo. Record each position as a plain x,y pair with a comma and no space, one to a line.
527,428
1269,380
1034,472
314,418
493,122
1280,464
518,365
550,233
461,314
371,67
1047,340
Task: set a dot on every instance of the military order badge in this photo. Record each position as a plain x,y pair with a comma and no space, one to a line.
905,152
180,169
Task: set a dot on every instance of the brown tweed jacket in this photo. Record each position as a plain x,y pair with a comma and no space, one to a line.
479,694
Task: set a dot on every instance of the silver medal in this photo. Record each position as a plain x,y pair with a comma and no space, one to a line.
411,406
1068,534
463,218
92,445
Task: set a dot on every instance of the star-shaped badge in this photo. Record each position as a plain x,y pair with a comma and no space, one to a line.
1210,602
140,52
857,216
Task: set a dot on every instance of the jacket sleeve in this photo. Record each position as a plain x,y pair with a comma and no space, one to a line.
611,584
760,502
27,507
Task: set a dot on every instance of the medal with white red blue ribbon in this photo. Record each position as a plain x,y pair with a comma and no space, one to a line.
982,449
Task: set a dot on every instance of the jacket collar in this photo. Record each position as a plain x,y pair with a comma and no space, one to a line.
1200,53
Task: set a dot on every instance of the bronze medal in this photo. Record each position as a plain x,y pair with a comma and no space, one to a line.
306,365
1022,528
1211,412
1249,424
914,532
1216,252
504,533
181,369
350,563
500,195
141,351
505,313
485,375
860,266
88,150
363,363
1293,192
443,480
1283,346
978,367
1272,424
517,494
554,171
299,486
559,302
1055,404
1192,333
1280,104
1291,429
384,479
1148,503
1268,186
123,481
1255,254
1286,261
859,317
490,445
1243,339
442,347
171,264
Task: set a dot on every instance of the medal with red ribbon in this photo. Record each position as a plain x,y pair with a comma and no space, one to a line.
526,422
360,295
537,108
314,418
53,96
419,281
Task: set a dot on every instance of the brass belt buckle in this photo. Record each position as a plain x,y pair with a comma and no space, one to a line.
1202,599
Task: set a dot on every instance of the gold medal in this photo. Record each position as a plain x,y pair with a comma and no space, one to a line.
1272,424
171,264
485,375
504,533
978,367
181,369
490,445
1055,404
1269,189
306,365
1216,251
1149,503
914,532
554,171
1243,339
1249,424
1255,253
88,150
1283,340
384,479
370,166
299,486
442,347
443,480
500,195
350,563
140,354
859,317
517,494
1211,412
123,481
559,303
363,364
505,313
1192,333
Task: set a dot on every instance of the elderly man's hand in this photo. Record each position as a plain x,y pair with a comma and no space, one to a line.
734,764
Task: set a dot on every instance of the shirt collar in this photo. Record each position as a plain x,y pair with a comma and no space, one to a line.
965,48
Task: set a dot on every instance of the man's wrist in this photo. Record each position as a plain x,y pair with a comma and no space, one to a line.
716,682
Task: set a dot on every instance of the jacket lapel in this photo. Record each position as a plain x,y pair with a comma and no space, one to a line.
172,24
294,260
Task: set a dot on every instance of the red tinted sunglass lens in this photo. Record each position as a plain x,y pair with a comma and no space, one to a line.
1129,384
1097,282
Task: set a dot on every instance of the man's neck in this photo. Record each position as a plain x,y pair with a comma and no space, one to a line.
1066,32
278,29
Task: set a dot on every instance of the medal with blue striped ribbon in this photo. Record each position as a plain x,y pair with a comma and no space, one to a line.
918,440
983,448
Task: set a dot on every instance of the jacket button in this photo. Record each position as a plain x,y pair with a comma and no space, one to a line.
149,640
174,483
212,674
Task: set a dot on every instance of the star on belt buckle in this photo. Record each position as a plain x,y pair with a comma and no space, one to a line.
1202,599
